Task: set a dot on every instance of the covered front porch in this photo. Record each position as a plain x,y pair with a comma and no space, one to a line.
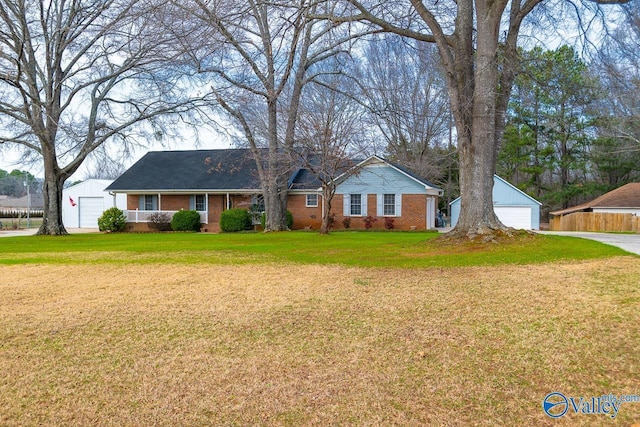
141,208
137,216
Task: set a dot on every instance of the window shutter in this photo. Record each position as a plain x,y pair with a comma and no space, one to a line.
346,205
398,204
365,209
380,200
192,202
141,202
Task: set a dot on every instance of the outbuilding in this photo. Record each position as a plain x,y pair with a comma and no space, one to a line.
84,203
513,207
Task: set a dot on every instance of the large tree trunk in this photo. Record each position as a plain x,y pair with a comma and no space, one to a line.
277,174
476,190
478,149
275,212
54,180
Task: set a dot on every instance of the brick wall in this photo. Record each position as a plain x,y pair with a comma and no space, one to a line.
413,211
304,217
174,202
414,214
133,202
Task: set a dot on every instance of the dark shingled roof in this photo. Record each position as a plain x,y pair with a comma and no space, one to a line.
627,196
231,169
205,170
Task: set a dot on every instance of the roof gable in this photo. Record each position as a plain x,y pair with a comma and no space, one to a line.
193,170
501,188
627,196
378,161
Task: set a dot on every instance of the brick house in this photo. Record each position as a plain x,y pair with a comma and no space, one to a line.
211,181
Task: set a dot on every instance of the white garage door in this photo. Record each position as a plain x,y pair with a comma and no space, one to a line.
91,209
514,216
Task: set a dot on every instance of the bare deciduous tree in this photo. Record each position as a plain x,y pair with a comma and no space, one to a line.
75,74
330,134
477,41
258,77
405,91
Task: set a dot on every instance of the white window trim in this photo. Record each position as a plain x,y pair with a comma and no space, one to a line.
398,205
347,205
307,200
155,202
194,206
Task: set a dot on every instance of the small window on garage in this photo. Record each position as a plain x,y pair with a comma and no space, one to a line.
312,200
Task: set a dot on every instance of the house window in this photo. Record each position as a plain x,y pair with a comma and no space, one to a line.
200,202
312,200
389,205
257,203
149,202
356,205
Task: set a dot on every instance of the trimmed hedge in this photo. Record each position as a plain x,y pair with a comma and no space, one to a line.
235,220
112,219
186,221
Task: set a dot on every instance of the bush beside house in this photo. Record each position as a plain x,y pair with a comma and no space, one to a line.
186,221
113,219
233,220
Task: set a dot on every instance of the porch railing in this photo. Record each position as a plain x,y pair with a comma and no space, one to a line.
143,216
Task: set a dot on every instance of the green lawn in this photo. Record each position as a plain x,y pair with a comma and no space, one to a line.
358,249
298,329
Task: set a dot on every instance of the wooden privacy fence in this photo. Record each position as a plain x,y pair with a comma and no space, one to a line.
596,221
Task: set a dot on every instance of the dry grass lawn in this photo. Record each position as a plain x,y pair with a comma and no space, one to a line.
163,345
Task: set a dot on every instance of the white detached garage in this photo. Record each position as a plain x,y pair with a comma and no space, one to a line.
513,207
84,203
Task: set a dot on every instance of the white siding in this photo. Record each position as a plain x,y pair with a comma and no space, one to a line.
91,188
506,195
635,211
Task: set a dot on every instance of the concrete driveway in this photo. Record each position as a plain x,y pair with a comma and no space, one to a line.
628,242
15,233
32,231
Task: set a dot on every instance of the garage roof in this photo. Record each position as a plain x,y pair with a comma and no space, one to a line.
627,196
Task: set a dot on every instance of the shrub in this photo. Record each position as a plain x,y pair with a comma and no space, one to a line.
388,223
263,220
235,220
186,221
332,220
346,222
112,219
368,221
160,221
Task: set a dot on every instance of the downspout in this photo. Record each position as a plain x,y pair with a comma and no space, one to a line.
206,206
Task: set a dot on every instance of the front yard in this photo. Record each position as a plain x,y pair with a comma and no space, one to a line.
300,329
